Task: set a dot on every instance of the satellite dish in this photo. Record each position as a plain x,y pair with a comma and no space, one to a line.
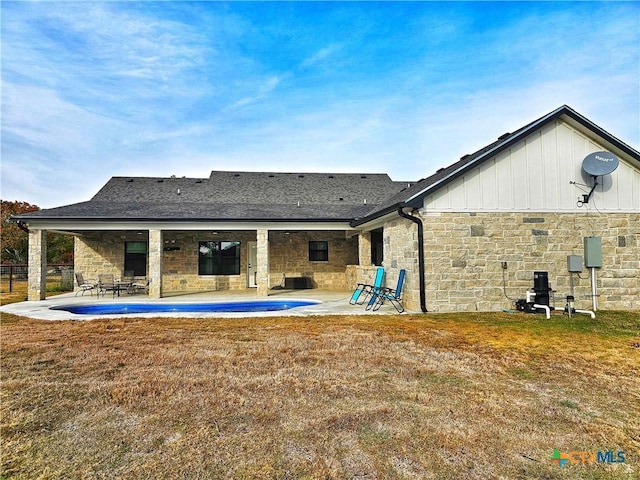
597,164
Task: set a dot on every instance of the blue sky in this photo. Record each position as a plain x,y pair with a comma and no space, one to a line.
92,90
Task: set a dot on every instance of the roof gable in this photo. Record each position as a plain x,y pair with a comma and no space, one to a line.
414,196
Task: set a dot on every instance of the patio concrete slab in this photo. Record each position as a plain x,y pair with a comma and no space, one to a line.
330,303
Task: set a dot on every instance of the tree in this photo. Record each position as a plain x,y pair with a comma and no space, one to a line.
15,241
59,248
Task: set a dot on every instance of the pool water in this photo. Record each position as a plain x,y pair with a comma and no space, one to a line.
223,307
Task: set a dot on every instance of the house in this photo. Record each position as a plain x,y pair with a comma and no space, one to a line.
469,236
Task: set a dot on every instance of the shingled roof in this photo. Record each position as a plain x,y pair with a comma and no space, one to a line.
233,196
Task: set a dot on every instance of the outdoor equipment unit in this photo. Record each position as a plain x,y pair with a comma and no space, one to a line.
541,288
593,260
538,300
593,252
574,264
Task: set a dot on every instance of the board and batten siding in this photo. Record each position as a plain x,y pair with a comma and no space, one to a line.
535,174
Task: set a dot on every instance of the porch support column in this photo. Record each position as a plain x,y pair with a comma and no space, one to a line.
37,273
155,263
364,249
262,237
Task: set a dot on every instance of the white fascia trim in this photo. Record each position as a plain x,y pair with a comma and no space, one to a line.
377,222
577,210
104,225
595,137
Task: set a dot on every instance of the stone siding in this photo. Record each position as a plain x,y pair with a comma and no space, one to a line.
37,276
464,254
289,256
400,243
356,274
103,252
155,260
180,267
97,253
262,260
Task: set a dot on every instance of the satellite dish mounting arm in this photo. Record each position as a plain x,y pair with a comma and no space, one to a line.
586,197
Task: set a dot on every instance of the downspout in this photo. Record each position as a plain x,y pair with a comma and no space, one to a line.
418,222
22,226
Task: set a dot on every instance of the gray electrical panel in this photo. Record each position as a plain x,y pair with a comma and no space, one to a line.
593,252
574,263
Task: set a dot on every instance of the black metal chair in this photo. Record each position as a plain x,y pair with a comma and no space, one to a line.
85,285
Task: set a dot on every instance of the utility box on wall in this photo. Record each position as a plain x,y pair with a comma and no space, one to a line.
593,252
574,263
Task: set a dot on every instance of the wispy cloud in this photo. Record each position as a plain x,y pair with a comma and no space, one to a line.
262,90
321,55
96,89
101,57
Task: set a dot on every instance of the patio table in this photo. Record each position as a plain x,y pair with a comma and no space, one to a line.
120,286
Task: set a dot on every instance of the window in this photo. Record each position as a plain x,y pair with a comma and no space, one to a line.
377,247
319,251
135,258
219,258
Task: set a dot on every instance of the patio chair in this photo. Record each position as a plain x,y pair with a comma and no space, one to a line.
106,284
394,296
364,290
126,281
84,285
137,287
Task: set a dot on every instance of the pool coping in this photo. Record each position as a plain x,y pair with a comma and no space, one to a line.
331,303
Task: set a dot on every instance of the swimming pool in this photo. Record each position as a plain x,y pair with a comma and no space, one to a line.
210,307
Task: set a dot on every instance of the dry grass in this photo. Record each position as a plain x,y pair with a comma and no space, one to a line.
407,397
18,291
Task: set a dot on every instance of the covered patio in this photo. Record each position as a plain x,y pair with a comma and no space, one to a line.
174,262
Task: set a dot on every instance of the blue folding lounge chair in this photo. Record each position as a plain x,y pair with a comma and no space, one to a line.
384,294
364,290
